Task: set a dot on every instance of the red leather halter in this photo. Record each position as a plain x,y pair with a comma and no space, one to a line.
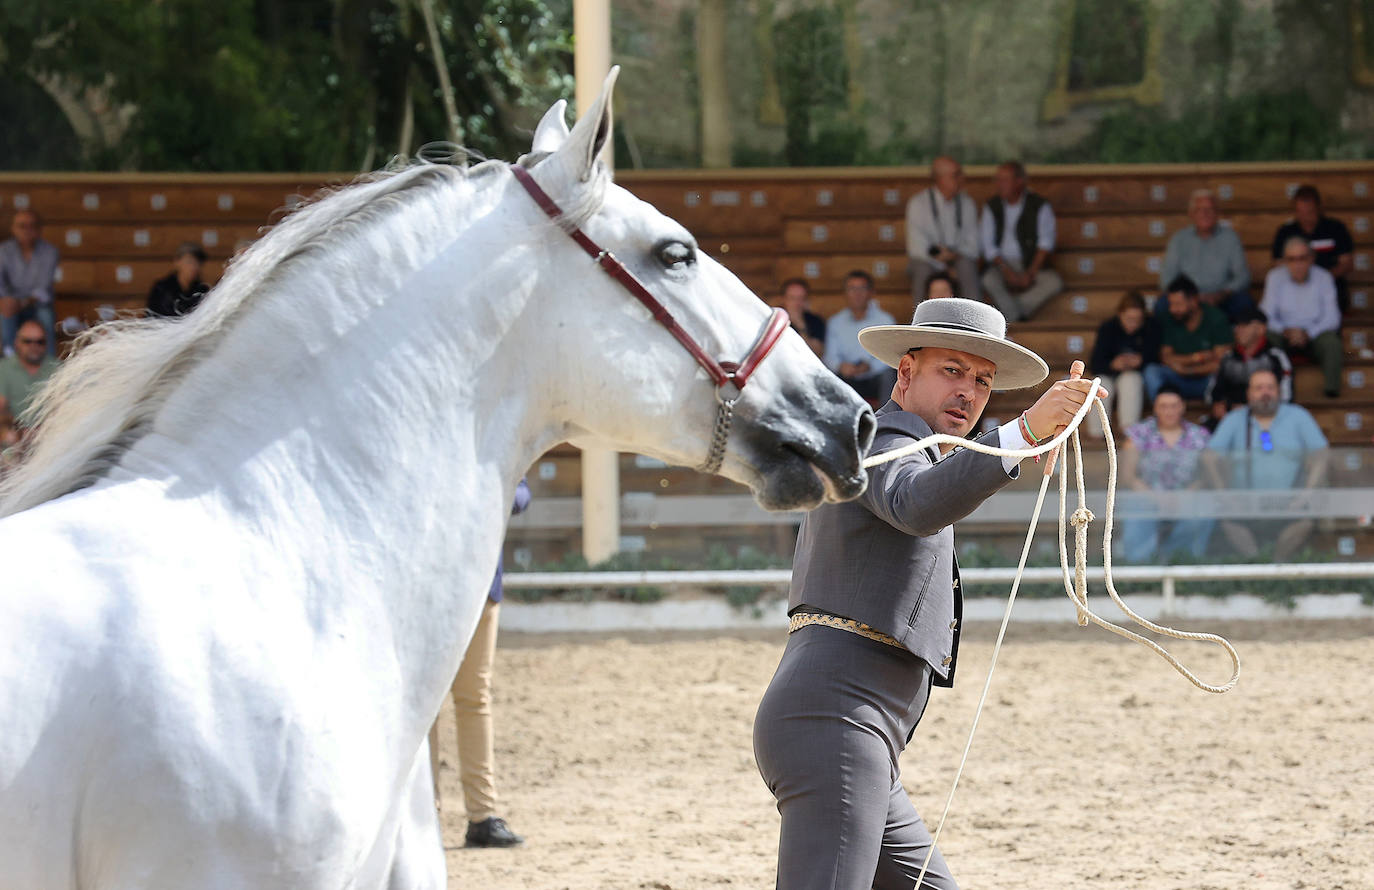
729,377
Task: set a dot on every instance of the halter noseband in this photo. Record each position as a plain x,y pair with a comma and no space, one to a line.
729,377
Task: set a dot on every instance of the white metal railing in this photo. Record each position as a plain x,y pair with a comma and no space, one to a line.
1168,576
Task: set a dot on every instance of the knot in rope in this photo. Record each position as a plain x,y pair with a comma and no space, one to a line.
1081,517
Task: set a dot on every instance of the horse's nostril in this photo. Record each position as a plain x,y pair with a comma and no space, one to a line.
866,427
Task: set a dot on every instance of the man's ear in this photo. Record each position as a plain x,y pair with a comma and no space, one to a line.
905,368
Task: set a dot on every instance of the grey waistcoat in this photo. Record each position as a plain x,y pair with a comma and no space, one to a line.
887,558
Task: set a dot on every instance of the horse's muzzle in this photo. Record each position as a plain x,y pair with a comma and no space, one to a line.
808,446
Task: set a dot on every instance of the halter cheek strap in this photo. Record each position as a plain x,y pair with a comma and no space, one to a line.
728,377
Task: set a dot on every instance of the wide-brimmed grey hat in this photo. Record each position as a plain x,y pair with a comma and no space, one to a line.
964,325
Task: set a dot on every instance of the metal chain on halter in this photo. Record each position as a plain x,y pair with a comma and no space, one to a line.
721,433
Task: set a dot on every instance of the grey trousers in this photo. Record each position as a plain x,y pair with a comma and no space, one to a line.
1022,304
827,735
965,272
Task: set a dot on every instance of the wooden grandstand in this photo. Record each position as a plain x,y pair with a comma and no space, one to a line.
117,234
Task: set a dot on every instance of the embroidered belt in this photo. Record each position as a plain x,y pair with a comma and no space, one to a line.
802,619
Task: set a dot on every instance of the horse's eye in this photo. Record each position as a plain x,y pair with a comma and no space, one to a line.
675,255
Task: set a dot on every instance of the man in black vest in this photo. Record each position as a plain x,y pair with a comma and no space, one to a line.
875,603
1018,238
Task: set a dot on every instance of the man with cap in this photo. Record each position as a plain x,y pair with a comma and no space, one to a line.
875,603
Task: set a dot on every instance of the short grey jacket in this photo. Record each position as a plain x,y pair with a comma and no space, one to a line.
887,558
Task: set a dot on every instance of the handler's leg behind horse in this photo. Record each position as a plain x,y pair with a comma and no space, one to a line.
472,710
826,738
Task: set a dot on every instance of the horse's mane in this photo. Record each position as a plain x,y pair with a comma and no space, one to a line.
105,397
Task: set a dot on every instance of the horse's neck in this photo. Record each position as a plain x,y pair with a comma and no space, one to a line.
333,434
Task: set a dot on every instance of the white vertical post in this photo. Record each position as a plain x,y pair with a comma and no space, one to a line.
600,466
1168,590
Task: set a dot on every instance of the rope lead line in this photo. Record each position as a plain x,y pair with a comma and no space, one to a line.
1077,587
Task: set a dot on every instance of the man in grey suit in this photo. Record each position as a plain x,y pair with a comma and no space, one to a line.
876,607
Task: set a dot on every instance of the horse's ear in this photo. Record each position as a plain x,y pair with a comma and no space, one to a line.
591,132
552,131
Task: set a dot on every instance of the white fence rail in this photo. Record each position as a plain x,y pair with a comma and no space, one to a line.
1167,576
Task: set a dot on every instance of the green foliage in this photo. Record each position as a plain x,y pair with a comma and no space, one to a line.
746,557
619,562
1281,591
813,84
716,558
28,148
1259,127
1109,44
264,85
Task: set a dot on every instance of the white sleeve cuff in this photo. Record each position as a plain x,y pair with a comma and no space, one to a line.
1009,437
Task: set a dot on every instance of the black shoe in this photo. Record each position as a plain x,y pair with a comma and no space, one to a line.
493,832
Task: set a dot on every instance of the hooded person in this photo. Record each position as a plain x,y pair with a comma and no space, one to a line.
875,604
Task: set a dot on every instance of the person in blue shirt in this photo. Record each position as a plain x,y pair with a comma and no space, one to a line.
472,709
1267,445
843,354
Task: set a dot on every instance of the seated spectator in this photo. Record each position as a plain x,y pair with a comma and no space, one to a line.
21,373
1267,445
1211,255
942,231
937,286
28,265
795,295
1252,352
1330,239
1300,300
1018,230
1126,344
1161,454
870,379
182,290
1193,337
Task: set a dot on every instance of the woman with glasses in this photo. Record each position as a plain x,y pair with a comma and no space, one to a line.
1161,454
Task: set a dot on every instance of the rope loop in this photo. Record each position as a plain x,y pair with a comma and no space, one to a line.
1075,583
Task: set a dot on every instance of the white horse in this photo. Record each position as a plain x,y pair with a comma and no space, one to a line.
247,548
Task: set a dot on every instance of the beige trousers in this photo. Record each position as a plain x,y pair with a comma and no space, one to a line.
1126,391
472,707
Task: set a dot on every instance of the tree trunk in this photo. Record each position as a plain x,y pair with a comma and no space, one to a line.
455,125
98,124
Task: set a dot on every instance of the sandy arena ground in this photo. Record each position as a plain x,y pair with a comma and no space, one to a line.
627,763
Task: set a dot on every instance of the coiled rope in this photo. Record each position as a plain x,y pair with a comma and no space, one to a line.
1075,586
